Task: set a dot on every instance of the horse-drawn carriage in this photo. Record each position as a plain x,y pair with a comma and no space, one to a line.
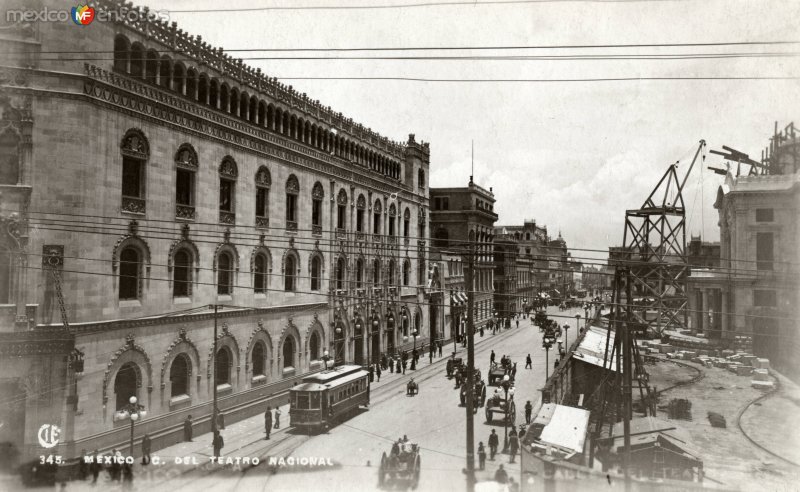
401,464
498,371
453,363
478,394
504,406
412,387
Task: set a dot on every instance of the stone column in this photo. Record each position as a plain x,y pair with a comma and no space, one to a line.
702,312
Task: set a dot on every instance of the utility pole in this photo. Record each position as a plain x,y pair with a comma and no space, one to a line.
468,280
627,355
214,429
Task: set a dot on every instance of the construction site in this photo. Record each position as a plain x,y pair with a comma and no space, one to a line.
669,387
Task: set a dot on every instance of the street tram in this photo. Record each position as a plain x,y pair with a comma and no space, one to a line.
326,397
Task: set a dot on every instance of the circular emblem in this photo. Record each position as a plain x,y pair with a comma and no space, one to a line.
49,435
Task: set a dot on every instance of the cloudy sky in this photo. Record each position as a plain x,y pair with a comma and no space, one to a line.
572,155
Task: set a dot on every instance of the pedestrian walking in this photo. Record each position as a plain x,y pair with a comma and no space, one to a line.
440,349
513,446
277,418
146,449
481,456
187,429
83,466
500,476
218,442
115,467
528,411
494,441
528,362
517,322
378,371
491,359
126,469
391,364
268,421
415,355
404,367
398,366
94,466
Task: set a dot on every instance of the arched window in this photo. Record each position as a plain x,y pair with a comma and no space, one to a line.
340,273
222,366
288,352
257,359
185,172
182,274
224,273
391,272
292,190
135,153
290,273
376,217
178,78
202,89
165,72
341,210
359,273
151,67
421,178
421,223
376,272
316,267
213,93
392,217
313,347
121,52
191,84
361,206
9,158
228,172
263,182
406,223
317,194
137,60
179,375
406,272
126,384
130,273
260,276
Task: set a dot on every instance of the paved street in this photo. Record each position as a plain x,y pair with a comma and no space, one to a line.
433,419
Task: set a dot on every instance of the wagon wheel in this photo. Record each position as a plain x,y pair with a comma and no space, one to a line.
415,475
382,469
483,394
488,415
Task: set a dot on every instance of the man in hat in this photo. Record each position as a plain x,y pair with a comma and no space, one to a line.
481,456
494,442
268,421
528,411
218,443
187,429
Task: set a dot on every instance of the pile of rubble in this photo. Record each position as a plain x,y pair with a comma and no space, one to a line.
738,362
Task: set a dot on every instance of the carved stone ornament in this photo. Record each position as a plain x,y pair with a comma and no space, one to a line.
377,208
134,144
342,198
186,157
362,202
263,177
228,168
317,192
292,185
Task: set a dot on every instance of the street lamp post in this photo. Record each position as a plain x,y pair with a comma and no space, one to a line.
506,385
566,338
135,411
547,343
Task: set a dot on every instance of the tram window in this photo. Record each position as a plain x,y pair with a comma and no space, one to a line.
314,400
302,402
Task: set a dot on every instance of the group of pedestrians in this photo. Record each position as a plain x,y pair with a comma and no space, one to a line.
117,470
405,360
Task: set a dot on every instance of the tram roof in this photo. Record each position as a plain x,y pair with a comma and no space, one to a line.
336,373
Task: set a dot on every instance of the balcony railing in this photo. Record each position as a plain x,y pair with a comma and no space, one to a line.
291,225
360,236
376,238
391,239
133,205
341,233
184,212
315,230
227,217
262,222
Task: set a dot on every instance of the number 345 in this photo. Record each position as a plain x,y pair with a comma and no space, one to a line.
50,459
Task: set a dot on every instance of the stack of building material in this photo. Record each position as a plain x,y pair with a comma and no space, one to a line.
760,375
761,364
664,348
762,385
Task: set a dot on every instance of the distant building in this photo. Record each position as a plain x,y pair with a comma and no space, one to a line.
461,217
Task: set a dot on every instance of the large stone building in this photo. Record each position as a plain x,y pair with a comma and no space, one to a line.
170,178
753,288
460,217
531,241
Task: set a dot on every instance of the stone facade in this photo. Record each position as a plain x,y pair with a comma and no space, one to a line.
166,184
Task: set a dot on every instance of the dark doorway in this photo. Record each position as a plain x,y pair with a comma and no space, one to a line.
125,384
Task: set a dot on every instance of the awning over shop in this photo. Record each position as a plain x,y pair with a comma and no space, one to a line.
592,348
458,298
